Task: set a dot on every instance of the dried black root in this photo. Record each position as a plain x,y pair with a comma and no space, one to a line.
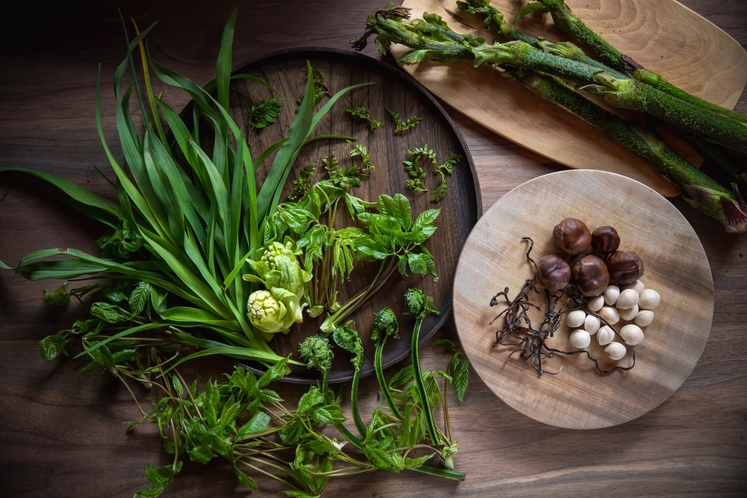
518,332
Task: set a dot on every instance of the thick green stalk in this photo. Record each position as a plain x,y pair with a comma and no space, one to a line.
354,404
379,369
418,376
618,92
573,26
632,94
495,18
699,189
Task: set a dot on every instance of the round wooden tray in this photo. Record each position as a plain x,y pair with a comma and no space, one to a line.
394,90
579,397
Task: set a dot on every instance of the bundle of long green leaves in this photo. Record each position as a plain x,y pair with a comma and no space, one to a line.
185,231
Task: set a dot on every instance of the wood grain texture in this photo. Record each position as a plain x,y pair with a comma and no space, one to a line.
63,434
494,257
663,36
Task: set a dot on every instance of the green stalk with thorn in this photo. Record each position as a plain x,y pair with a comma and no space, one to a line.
431,38
570,24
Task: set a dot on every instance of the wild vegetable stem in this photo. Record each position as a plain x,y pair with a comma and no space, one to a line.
541,73
572,25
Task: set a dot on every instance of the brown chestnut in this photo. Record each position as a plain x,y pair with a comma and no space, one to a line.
604,240
625,267
591,275
553,272
571,236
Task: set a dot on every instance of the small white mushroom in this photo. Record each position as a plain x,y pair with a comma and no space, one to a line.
636,286
627,299
596,303
632,334
580,339
650,299
605,335
629,314
610,315
644,318
610,294
575,318
615,351
591,324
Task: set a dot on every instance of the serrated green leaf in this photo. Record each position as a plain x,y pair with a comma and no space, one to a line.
51,346
310,399
268,396
160,477
202,454
274,373
139,297
258,423
413,57
244,479
461,379
292,431
328,414
113,294
402,377
177,386
107,312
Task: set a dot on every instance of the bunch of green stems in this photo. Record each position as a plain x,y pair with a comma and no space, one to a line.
560,72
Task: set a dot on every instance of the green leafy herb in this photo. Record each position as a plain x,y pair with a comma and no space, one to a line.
196,224
361,151
320,89
303,182
121,243
403,126
414,170
263,113
444,169
364,113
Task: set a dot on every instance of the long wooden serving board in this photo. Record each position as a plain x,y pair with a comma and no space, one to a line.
662,35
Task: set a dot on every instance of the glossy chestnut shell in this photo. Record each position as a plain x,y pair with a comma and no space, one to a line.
591,275
571,236
625,267
604,241
553,272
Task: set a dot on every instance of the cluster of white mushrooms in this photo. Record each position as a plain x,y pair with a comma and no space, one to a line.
633,305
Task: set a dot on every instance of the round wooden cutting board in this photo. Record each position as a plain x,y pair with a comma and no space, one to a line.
494,257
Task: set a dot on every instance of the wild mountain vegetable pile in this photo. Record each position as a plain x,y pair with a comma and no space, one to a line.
562,73
201,259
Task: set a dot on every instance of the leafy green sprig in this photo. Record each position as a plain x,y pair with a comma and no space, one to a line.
413,168
263,113
303,182
185,230
320,88
244,421
382,231
443,170
365,114
401,126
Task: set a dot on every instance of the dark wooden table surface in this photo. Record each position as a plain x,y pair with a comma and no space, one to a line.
63,435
